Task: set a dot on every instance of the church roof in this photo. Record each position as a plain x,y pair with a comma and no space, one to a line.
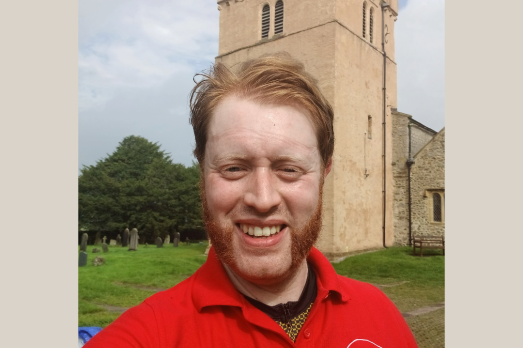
438,135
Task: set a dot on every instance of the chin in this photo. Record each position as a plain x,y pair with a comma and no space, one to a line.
264,269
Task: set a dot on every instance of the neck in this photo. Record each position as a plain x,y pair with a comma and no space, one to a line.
283,291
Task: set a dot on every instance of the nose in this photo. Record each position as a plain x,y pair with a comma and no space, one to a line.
262,192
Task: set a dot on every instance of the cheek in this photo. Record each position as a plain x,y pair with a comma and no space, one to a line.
222,195
302,199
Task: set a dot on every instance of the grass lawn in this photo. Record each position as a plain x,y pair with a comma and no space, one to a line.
128,277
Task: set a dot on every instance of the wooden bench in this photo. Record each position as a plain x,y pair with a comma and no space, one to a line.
428,242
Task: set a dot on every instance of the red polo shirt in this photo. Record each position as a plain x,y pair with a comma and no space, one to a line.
206,310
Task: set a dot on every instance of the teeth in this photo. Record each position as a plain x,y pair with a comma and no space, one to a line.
260,231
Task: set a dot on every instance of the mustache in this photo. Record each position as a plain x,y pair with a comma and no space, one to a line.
246,212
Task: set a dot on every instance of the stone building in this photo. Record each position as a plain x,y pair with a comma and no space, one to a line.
341,44
418,163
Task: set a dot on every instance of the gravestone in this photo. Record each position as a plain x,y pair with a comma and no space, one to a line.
97,238
133,243
146,245
98,261
118,240
159,242
175,242
112,242
186,240
83,244
96,250
125,238
167,240
177,235
104,239
105,248
83,259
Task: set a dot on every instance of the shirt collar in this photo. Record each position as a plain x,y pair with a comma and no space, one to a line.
212,287
328,280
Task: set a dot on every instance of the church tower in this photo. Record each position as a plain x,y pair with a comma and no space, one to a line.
340,44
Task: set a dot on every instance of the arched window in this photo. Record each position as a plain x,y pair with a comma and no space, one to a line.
364,19
371,20
266,21
436,201
278,18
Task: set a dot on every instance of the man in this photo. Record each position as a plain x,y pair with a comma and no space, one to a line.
264,141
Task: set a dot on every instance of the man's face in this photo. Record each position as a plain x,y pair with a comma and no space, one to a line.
262,187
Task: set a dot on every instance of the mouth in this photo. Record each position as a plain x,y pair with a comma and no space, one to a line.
260,231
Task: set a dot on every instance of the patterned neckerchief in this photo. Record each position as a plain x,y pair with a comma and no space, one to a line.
292,315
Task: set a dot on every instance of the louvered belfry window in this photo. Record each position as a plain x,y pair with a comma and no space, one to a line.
364,6
436,201
266,21
278,19
371,20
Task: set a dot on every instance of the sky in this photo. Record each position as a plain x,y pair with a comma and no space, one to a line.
137,59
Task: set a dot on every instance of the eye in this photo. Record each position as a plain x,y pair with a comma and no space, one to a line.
233,171
290,172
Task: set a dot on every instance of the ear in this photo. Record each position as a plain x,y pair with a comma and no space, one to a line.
328,168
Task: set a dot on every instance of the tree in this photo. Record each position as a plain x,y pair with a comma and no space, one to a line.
138,186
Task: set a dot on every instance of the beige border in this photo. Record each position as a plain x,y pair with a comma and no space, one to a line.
39,152
484,236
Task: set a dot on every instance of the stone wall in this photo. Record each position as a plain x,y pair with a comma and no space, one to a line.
400,152
427,177
420,136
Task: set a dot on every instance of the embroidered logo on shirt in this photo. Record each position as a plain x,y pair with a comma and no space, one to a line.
362,343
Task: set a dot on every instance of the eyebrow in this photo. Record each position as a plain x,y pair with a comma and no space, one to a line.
280,158
290,158
230,157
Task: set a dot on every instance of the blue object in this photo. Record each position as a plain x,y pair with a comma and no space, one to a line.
85,333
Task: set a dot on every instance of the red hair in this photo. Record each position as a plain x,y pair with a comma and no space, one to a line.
277,79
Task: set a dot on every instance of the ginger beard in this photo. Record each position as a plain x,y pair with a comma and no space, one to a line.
302,237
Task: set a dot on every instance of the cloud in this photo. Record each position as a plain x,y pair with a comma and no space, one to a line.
159,114
136,64
420,55
141,44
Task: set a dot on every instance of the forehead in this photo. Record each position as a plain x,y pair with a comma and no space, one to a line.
243,124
